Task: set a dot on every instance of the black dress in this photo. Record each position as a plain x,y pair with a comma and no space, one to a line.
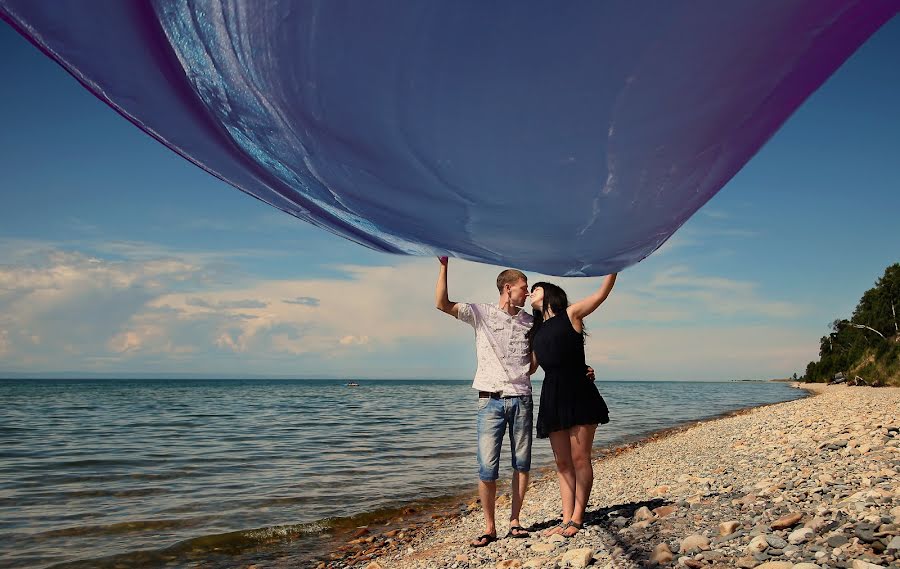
568,397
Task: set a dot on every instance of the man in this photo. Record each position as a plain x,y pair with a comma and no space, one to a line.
504,389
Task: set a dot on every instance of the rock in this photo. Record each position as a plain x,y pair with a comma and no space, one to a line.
800,535
806,566
462,558
728,528
661,555
894,544
776,542
577,558
543,547
643,513
536,562
775,565
359,533
643,524
787,521
860,564
692,563
664,511
374,565
556,539
757,545
694,542
746,562
837,540
509,564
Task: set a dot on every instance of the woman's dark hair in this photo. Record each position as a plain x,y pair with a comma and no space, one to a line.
556,300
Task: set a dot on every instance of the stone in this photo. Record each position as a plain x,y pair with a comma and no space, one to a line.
509,564
757,545
462,558
643,513
664,511
776,542
557,539
860,564
642,524
577,558
805,566
728,528
692,563
661,555
837,540
374,565
894,544
536,562
775,565
787,521
800,535
543,547
746,562
694,542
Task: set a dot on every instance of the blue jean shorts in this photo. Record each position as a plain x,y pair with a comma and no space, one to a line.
496,417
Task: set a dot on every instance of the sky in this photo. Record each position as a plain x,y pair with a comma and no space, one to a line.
119,258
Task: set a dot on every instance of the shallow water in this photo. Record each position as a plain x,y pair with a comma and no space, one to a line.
172,472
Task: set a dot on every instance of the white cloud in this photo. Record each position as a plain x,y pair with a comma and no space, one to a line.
63,310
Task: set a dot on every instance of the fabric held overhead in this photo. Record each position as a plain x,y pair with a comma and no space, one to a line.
568,138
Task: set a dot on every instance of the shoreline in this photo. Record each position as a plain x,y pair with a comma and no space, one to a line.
406,524
443,542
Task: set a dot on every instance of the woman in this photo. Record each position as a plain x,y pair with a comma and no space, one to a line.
571,406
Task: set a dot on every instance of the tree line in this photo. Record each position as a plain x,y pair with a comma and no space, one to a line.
865,348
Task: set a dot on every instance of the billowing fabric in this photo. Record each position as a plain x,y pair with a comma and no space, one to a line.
567,138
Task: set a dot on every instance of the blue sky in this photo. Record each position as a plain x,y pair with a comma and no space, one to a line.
119,257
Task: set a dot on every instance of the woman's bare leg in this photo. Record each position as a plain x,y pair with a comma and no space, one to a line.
565,473
581,440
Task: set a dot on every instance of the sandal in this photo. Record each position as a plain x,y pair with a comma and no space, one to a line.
578,527
486,538
518,532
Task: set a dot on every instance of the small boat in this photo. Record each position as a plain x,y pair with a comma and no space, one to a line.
352,384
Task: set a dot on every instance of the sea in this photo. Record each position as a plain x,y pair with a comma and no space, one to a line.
218,473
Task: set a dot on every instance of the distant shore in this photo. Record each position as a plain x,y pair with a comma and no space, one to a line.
815,481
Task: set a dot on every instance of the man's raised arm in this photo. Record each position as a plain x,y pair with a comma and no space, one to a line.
441,301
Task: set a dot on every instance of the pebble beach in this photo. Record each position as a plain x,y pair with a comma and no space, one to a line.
805,484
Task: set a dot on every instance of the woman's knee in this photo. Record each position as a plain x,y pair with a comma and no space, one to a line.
564,464
581,461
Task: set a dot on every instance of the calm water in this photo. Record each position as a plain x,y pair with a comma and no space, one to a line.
182,472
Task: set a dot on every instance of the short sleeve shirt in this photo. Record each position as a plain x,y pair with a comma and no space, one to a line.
501,348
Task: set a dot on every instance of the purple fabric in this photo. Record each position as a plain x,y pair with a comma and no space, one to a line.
566,138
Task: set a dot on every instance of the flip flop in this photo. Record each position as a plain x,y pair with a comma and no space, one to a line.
518,532
486,538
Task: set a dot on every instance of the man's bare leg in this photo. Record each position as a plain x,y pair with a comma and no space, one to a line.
519,487
487,491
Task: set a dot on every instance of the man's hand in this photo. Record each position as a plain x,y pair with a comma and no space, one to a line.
590,373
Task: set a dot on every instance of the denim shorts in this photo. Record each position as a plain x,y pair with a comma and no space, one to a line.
496,417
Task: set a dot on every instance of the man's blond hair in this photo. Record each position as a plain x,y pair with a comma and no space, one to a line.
508,277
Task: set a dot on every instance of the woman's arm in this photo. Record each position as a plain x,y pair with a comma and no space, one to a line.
589,304
534,363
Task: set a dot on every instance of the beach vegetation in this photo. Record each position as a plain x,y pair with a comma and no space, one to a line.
865,348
